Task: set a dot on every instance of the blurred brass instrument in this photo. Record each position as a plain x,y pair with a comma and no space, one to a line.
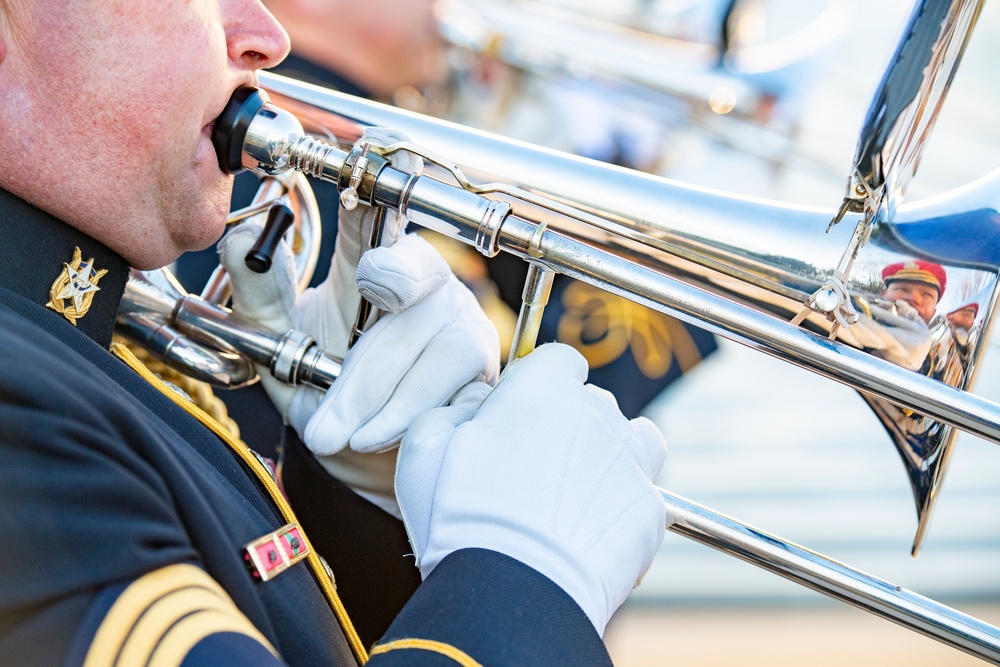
792,282
728,87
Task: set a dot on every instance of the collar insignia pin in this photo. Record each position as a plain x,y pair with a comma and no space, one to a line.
77,285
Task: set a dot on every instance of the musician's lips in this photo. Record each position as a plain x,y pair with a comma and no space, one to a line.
209,146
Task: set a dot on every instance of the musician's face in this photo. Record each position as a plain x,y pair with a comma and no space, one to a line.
922,297
963,318
105,113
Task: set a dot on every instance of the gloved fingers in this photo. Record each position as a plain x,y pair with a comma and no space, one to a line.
398,277
264,297
432,425
548,363
899,345
453,359
421,455
909,318
906,317
603,394
648,446
905,310
471,396
372,370
387,353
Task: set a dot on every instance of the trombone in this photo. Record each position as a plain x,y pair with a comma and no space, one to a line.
740,267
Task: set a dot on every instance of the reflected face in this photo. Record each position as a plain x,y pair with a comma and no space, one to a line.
106,109
921,296
963,318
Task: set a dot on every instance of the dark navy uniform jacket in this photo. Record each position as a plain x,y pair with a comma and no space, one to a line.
123,519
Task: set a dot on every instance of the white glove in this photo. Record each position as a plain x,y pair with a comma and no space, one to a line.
433,340
902,338
548,471
416,359
326,312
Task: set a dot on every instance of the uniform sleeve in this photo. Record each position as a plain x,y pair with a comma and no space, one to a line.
177,616
83,519
479,607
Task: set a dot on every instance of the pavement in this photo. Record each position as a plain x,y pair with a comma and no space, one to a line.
818,636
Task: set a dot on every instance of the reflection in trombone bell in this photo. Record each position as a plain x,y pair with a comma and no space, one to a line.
917,283
896,326
904,327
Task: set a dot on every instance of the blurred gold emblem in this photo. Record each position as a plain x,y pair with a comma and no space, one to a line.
73,291
603,326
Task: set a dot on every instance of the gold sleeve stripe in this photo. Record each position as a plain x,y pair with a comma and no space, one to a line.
181,638
153,609
447,650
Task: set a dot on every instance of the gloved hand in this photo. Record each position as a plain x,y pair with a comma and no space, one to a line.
326,312
407,362
901,337
546,470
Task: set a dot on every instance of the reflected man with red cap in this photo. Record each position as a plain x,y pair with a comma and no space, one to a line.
920,284
896,328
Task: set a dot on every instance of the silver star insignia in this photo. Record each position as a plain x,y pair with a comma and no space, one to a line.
79,284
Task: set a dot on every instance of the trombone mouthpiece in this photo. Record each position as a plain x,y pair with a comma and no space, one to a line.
251,133
230,130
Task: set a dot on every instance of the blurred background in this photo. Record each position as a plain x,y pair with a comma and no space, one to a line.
763,98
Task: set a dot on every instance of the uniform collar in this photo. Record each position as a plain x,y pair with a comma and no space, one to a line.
37,254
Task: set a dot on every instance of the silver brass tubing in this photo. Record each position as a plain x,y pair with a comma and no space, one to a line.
537,287
316,158
756,330
201,363
477,221
318,369
462,215
843,583
365,306
446,209
290,355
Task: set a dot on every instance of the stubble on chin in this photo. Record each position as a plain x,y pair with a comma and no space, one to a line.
191,217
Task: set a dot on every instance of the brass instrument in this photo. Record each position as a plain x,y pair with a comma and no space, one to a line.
735,96
788,281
